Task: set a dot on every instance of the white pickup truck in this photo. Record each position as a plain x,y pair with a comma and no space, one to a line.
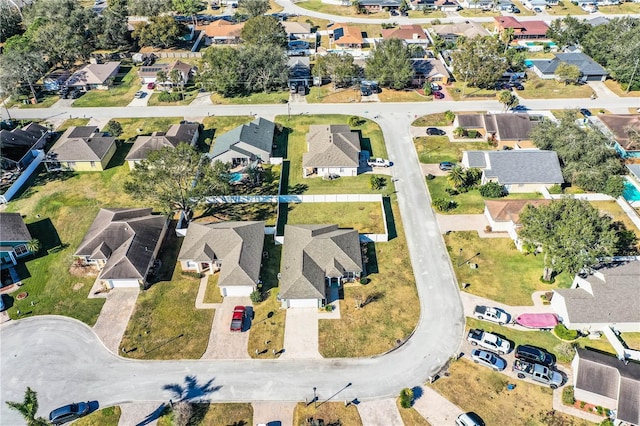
537,372
488,341
492,314
379,162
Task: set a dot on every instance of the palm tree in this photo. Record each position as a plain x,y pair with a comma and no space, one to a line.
457,177
507,36
176,80
29,408
33,245
161,78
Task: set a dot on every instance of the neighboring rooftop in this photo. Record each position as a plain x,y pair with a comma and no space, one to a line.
291,27
332,146
405,32
258,133
177,133
14,144
505,126
347,34
467,29
522,29
93,74
81,143
13,228
518,166
509,210
586,65
620,124
428,68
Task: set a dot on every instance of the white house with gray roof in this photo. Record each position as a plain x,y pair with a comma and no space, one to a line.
231,249
590,70
245,144
607,297
177,133
331,150
519,170
314,258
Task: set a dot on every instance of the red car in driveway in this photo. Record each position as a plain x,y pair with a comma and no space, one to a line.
438,95
237,320
151,86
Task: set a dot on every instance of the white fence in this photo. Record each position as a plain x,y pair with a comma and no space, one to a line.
26,174
623,353
588,197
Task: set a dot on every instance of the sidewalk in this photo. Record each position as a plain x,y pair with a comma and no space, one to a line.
140,413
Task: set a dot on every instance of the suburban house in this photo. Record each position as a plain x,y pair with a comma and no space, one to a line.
123,244
223,32
298,30
94,76
519,170
504,216
504,128
347,37
234,249
589,69
299,71
532,4
410,34
450,32
245,144
431,69
81,149
14,237
446,5
605,297
522,30
379,5
620,128
21,151
317,258
149,74
605,381
177,133
478,4
331,150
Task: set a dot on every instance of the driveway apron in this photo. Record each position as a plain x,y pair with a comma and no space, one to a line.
381,412
435,408
273,412
114,317
301,334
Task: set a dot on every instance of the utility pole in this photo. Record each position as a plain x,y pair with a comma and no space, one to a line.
633,74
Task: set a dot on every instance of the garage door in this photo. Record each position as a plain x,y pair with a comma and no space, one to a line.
303,303
123,284
594,78
236,291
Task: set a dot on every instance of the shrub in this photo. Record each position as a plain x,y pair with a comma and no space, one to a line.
406,398
606,422
377,182
473,176
114,128
582,404
169,97
430,177
449,116
565,351
192,274
459,132
355,121
427,89
451,191
444,205
488,228
492,190
555,189
600,410
564,333
256,296
472,133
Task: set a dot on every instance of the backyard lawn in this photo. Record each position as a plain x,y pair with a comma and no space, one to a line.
537,88
236,414
333,413
437,119
126,84
478,389
391,315
326,95
254,98
109,416
543,339
390,95
134,127
613,209
504,274
435,149
365,217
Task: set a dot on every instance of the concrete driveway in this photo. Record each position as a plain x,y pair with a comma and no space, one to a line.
381,412
301,334
223,343
114,316
272,412
436,408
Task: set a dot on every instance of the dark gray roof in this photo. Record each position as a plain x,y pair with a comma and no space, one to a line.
81,143
313,252
14,144
238,245
606,375
127,237
176,134
587,65
506,126
13,228
518,166
331,146
259,133
613,299
634,169
471,121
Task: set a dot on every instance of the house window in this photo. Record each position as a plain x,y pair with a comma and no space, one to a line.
341,169
191,264
20,250
93,163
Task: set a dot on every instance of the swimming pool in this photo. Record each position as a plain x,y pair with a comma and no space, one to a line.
235,177
631,193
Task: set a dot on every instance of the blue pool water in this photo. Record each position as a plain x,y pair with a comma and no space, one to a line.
631,193
235,177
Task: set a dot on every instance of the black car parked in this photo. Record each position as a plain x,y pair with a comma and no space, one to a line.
68,413
434,131
535,355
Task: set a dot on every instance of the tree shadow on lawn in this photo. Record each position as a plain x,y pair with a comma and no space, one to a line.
281,141
390,221
44,231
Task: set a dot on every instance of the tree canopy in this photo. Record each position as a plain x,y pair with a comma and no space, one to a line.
572,233
149,7
160,31
480,61
254,8
568,73
264,30
177,179
390,64
508,99
20,70
339,68
10,20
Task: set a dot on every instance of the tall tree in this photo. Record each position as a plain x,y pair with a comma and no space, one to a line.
508,99
29,408
176,80
568,31
264,29
220,71
114,32
572,233
265,68
568,73
506,36
10,20
339,68
479,61
390,64
187,7
149,7
18,69
160,31
177,179
254,8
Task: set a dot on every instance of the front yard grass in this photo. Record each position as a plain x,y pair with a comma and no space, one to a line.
294,138
332,9
127,83
504,274
188,97
72,122
626,7
631,339
523,10
365,217
460,88
44,101
390,95
392,315
481,390
437,119
215,414
615,87
212,293
429,14
543,339
537,88
410,416
567,8
435,149
475,13
254,98
134,127
109,416
326,95
333,413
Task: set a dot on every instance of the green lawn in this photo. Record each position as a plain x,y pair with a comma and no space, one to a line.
109,416
327,95
333,413
523,10
632,340
236,414
189,96
44,101
120,94
437,119
543,339
475,13
459,88
332,9
537,88
431,14
365,217
615,86
435,149
212,293
567,8
254,98
613,209
294,139
410,416
627,7
483,391
504,274
390,95
72,122
134,127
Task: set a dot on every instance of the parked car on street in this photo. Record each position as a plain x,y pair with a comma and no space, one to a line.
434,131
68,413
488,341
488,359
379,162
446,165
237,319
535,355
492,314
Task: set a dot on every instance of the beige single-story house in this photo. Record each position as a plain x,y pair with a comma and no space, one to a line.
81,149
94,76
504,215
177,133
331,150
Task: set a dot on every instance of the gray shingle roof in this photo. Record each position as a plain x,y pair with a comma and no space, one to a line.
313,252
82,143
332,146
616,292
14,144
238,245
259,134
506,126
518,166
13,228
587,65
127,237
93,74
176,134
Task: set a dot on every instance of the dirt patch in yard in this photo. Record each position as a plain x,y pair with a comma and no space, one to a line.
77,286
83,271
